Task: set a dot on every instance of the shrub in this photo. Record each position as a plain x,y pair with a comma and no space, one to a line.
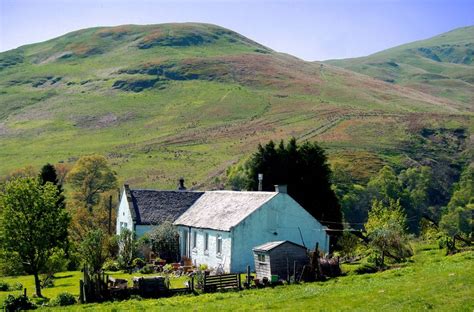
203,267
111,265
138,263
17,286
147,269
18,303
63,299
4,286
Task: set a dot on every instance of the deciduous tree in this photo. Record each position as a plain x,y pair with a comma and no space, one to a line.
32,224
94,250
386,230
91,176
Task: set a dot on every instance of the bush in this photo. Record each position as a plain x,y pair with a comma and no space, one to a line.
63,299
138,263
18,303
111,265
203,267
16,286
147,269
4,286
10,264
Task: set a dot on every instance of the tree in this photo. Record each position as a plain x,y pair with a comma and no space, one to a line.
304,169
48,174
457,221
32,224
127,248
386,230
94,250
90,177
385,186
165,241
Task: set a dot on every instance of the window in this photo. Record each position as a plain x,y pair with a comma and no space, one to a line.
261,257
185,243
194,239
206,242
219,245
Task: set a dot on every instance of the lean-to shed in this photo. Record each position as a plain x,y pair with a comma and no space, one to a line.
279,258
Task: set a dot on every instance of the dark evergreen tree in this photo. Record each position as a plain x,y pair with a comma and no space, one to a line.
48,174
304,169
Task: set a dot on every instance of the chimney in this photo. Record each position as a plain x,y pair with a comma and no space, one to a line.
281,189
181,186
260,182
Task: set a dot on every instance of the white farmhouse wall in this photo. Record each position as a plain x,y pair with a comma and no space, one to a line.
210,256
124,217
281,218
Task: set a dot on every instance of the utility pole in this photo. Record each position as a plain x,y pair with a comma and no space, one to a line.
110,215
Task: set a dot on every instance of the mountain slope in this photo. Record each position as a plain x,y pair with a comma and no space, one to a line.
441,66
171,100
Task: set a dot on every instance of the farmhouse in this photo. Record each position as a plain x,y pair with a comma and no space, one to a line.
222,227
140,210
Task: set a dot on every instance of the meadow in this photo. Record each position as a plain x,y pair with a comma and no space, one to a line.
428,281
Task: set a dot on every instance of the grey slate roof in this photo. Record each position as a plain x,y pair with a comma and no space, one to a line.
271,245
222,210
154,207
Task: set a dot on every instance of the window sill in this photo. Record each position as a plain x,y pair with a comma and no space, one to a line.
218,255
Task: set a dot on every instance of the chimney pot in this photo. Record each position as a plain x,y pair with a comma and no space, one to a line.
181,186
260,182
281,189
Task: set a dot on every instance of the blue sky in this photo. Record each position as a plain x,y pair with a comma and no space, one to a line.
311,30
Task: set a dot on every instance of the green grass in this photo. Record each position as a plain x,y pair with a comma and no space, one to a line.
69,282
430,280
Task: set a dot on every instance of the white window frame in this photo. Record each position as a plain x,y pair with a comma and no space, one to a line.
219,245
206,243
194,240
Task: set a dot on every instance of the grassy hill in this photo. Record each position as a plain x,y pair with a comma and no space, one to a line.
171,100
441,66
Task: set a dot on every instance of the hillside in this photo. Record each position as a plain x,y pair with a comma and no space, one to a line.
441,66
171,100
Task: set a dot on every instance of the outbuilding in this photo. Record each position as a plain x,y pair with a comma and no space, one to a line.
280,259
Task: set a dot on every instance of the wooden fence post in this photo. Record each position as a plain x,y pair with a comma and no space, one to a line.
248,276
81,291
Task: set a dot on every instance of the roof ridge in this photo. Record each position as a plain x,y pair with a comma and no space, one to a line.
177,191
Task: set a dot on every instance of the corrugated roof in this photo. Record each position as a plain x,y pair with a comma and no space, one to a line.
270,245
222,210
155,207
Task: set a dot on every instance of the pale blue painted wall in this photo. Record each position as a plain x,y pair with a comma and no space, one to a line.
281,215
124,218
199,254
